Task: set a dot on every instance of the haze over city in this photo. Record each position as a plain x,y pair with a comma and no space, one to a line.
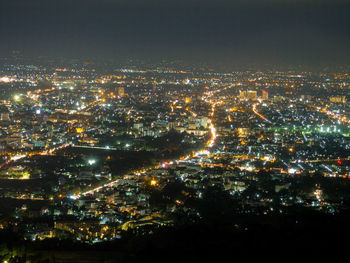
282,32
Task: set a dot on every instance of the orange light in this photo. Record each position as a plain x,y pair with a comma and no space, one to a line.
153,182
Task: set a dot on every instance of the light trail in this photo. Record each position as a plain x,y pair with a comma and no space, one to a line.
211,142
95,147
258,114
321,160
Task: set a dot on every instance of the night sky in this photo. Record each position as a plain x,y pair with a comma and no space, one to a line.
250,31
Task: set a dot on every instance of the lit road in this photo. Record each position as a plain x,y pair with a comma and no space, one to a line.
205,151
258,114
343,119
43,152
321,160
95,147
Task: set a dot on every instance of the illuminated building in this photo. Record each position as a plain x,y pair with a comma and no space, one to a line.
338,99
121,92
252,95
242,94
202,122
4,116
138,126
265,95
188,100
248,95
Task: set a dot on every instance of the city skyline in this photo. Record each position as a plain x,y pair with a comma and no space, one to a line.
174,131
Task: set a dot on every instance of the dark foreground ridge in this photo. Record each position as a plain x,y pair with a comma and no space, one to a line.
306,236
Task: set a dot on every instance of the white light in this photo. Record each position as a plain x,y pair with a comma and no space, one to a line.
292,170
38,111
5,79
92,161
74,197
249,168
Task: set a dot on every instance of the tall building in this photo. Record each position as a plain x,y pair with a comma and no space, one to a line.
252,95
248,95
121,92
242,94
265,95
4,115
